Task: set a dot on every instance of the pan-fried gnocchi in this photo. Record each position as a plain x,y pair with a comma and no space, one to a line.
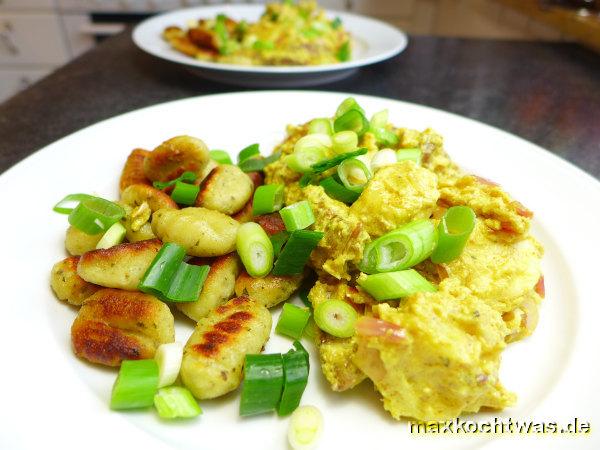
201,231
77,242
175,156
268,291
121,266
133,172
113,325
226,189
214,354
140,201
68,285
219,287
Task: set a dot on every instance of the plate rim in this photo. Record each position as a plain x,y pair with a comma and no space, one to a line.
270,70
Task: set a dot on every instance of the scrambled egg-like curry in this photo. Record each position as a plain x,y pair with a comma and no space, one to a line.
436,354
286,34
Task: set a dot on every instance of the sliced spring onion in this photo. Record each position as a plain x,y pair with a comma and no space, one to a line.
344,141
95,215
268,198
168,357
222,34
400,249
354,174
278,240
344,52
170,279
263,384
255,249
113,236
306,179
161,271
454,230
385,137
188,177
379,119
70,202
292,321
296,252
394,285
320,126
187,283
336,23
321,141
301,161
257,164
336,317
136,384
176,402
338,191
297,216
300,348
185,193
352,120
295,370
305,428
327,164
263,45
347,105
309,150
382,158
249,152
412,154
220,156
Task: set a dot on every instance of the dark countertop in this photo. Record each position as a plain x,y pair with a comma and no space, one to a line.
546,93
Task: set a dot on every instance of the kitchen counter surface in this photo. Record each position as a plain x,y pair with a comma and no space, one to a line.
546,93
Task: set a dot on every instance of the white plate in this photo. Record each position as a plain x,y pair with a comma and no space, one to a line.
373,41
50,398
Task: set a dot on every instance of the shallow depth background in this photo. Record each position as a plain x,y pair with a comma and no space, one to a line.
38,36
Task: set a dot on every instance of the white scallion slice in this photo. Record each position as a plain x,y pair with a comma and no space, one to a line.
379,119
344,141
113,236
306,427
168,357
382,158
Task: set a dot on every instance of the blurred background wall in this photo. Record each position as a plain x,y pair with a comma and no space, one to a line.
37,36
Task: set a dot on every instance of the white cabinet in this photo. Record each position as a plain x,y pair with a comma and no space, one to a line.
79,32
14,80
31,39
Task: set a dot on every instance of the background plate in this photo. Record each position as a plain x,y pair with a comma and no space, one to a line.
373,41
50,398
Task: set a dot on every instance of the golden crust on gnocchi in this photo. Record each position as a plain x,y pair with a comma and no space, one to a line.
214,354
68,285
113,325
121,266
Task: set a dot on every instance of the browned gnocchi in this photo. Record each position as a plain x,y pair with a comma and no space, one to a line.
113,325
121,266
201,231
68,285
218,287
175,156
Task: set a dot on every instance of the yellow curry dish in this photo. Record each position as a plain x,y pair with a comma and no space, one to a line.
287,34
412,275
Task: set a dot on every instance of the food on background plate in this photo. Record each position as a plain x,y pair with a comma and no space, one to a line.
414,274
287,34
